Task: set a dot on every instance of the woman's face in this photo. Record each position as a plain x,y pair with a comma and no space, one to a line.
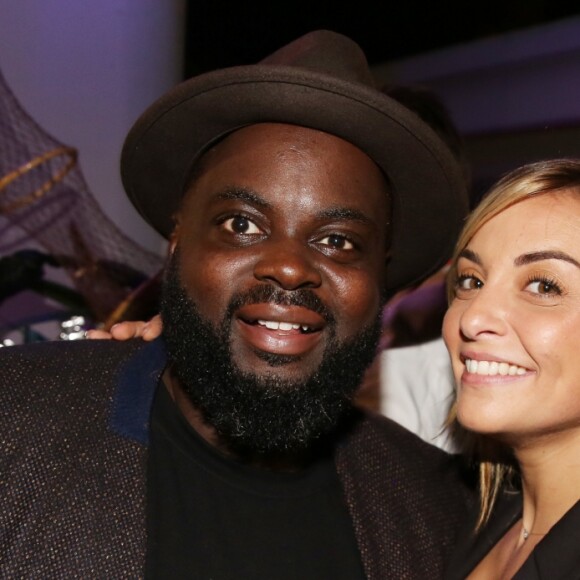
513,328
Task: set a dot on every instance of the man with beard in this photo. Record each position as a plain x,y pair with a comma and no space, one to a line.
296,198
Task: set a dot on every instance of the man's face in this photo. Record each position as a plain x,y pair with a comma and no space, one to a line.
293,209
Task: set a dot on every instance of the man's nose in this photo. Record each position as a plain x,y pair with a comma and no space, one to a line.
288,265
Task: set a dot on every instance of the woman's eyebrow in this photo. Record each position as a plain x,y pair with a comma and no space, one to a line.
545,255
470,255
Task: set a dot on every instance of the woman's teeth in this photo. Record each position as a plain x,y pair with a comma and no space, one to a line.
484,367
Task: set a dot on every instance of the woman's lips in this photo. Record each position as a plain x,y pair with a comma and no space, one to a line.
279,329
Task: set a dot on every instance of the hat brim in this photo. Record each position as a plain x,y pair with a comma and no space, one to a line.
429,198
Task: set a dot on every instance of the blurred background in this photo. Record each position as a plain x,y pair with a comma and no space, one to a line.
75,75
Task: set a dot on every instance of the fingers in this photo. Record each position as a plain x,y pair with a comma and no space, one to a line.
130,329
97,334
137,329
153,328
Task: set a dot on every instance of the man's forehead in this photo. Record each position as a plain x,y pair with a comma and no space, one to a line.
288,143
289,158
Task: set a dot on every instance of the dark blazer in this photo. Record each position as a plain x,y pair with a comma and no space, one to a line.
73,453
555,557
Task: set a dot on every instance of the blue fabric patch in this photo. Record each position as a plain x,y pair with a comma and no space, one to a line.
135,390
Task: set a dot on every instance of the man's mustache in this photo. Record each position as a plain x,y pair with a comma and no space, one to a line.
265,293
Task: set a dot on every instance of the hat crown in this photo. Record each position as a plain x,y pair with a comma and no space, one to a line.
327,52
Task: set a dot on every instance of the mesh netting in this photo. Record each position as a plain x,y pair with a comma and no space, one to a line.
45,202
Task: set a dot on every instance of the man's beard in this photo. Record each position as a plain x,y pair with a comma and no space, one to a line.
261,414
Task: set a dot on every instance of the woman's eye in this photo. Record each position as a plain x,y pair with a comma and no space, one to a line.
543,287
337,242
240,224
468,283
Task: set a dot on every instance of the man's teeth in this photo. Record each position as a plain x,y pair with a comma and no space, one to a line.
491,368
273,325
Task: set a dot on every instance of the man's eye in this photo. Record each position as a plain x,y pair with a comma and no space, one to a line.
337,242
240,224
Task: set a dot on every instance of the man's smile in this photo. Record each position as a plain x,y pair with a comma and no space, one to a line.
280,329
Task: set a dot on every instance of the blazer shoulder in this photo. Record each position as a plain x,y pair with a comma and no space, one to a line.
47,375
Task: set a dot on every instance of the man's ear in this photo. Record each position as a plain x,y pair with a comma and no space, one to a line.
174,236
388,257
385,295
386,262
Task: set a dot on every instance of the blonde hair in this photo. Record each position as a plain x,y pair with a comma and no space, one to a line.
496,466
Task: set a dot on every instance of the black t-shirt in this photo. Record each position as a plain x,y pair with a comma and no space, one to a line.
210,517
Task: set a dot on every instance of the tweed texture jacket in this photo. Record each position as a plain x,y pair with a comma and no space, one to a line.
73,454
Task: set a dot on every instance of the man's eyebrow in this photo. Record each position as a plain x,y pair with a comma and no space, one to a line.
243,195
345,213
470,255
545,255
340,213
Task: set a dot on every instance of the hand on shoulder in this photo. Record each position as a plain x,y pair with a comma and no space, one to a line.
128,329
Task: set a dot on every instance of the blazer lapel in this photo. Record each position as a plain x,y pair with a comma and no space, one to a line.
557,556
473,546
136,385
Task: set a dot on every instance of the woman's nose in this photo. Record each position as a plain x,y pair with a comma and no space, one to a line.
483,315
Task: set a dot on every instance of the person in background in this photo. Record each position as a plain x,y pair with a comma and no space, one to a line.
296,198
411,380
513,333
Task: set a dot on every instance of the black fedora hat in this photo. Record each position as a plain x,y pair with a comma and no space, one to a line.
321,81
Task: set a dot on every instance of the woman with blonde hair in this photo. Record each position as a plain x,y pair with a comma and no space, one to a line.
513,333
